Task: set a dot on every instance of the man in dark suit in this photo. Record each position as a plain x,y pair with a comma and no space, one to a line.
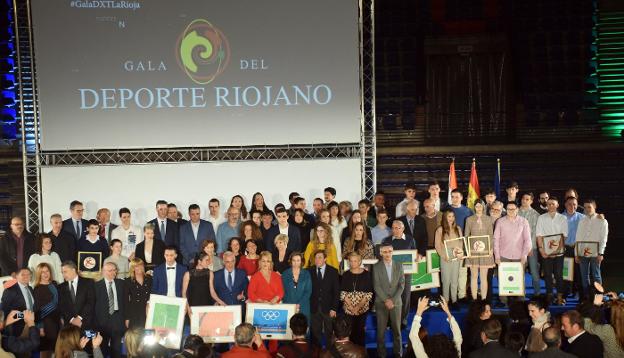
230,283
388,283
16,247
18,297
168,276
325,298
415,227
109,310
76,297
552,338
579,342
175,215
282,227
75,225
63,243
193,233
106,227
165,229
490,333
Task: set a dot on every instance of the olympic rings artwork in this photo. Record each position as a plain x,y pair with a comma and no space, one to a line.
270,315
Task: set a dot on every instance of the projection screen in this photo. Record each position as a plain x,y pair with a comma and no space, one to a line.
186,73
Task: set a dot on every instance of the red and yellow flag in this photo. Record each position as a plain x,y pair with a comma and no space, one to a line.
473,187
452,180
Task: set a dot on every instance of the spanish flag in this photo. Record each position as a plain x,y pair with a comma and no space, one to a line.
452,180
473,187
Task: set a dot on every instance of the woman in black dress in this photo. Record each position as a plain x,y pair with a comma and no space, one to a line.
137,290
196,284
46,309
356,293
151,251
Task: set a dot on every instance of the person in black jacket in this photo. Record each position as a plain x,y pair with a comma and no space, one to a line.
325,298
490,334
76,297
579,342
109,310
552,338
12,259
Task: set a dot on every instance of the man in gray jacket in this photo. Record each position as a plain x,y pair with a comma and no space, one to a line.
388,283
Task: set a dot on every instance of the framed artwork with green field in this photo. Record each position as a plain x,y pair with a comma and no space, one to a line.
424,280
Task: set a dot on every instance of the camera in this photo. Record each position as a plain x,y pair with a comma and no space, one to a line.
434,301
149,337
90,334
19,315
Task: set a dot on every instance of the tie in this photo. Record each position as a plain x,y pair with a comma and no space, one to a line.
111,299
102,231
162,230
72,291
78,233
320,274
411,225
29,302
230,281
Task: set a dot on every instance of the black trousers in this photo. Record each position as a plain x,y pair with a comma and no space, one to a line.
553,266
321,325
358,329
112,333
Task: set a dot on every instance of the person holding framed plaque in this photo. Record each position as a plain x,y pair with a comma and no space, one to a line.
592,229
449,268
551,231
479,224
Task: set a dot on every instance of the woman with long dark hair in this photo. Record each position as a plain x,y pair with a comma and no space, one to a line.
449,266
359,243
238,203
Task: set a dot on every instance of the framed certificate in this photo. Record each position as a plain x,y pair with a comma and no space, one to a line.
423,280
407,258
165,315
215,324
479,246
455,248
90,264
510,279
433,261
568,268
553,245
586,249
271,320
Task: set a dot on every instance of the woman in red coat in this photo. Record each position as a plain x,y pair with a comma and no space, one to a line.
265,285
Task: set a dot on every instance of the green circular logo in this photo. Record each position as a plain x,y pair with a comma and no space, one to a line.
203,52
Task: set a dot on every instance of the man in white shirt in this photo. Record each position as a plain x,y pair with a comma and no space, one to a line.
215,217
595,229
548,224
168,276
410,195
129,235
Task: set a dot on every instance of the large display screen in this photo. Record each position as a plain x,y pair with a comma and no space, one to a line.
183,73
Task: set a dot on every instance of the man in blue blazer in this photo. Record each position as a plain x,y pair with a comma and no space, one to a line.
168,276
76,226
193,233
282,227
170,236
230,283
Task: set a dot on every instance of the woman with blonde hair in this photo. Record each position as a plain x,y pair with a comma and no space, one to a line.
46,308
281,254
138,287
321,240
133,340
71,345
266,285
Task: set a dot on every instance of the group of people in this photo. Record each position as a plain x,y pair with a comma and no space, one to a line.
285,255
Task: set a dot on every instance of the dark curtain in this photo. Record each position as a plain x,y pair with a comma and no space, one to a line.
467,96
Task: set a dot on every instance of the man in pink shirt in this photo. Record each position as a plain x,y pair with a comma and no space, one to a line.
512,238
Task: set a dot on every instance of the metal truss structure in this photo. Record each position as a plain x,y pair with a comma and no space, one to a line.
34,158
